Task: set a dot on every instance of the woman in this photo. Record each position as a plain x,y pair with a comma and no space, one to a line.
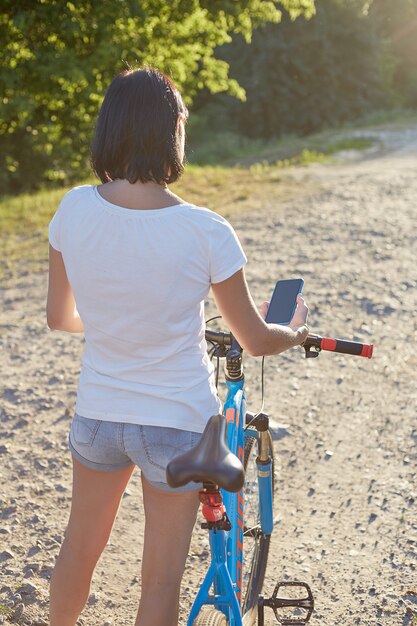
130,266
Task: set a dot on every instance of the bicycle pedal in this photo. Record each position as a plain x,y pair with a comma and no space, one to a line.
276,602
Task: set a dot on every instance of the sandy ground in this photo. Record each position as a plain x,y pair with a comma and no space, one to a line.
346,485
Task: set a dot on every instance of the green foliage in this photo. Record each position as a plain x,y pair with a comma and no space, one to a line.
302,75
350,143
58,57
396,23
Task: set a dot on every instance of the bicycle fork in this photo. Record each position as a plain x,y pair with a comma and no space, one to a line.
265,478
304,604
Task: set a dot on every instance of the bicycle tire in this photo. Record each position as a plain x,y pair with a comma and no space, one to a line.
209,616
255,543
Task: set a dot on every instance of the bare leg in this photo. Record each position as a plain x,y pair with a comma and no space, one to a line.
95,502
169,521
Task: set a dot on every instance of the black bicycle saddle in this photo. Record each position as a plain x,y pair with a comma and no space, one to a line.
210,461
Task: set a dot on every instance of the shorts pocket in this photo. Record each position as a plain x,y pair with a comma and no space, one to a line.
162,444
84,430
195,438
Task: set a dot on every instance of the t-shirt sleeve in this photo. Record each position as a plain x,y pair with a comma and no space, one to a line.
226,252
54,227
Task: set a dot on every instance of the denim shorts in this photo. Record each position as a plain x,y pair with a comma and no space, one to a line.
109,446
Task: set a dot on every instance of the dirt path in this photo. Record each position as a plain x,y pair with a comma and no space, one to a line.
346,485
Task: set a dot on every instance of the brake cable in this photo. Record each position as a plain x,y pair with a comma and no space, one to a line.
262,397
211,354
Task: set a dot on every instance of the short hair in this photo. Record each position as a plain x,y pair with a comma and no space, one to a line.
136,136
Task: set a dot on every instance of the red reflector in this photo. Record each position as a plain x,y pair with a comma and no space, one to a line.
213,513
211,499
328,344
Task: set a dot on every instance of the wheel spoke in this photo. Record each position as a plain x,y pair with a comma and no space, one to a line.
255,531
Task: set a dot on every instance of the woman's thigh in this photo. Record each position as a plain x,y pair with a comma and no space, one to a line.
96,497
169,520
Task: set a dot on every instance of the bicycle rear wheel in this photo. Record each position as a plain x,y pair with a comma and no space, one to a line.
208,616
255,543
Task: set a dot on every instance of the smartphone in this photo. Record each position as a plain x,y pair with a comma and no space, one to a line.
284,301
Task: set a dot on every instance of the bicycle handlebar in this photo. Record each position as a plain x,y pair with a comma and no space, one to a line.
338,345
313,341
219,337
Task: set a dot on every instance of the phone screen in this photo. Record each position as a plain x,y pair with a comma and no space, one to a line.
284,301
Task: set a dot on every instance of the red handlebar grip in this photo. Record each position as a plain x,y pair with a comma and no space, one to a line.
347,347
328,344
367,350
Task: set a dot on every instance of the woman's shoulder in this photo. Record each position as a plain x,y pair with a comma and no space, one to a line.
76,193
204,214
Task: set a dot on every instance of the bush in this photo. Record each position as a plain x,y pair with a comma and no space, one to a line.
59,56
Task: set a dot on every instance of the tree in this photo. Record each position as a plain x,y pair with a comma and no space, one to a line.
59,56
396,22
300,76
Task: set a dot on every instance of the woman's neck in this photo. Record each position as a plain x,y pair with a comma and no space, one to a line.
138,195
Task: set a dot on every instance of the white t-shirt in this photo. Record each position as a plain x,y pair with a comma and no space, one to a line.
139,279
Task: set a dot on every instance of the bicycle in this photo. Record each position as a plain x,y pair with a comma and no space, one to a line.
234,461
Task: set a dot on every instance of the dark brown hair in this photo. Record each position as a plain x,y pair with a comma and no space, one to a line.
136,136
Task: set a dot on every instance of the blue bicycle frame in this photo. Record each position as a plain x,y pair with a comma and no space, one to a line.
225,572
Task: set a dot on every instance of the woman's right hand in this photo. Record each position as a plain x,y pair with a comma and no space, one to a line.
239,312
264,308
299,320
300,315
